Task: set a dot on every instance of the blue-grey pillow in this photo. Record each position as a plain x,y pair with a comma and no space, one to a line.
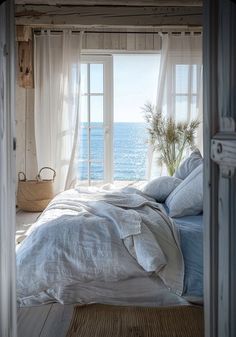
159,188
187,198
189,164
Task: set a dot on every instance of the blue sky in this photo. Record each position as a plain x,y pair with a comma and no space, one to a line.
135,83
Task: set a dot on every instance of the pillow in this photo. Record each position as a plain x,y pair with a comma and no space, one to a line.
189,164
187,198
159,188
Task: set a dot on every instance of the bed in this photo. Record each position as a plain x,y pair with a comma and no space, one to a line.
114,247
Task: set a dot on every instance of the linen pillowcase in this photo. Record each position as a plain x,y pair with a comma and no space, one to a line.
159,188
189,164
187,198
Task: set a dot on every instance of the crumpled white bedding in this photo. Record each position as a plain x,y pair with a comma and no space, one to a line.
98,241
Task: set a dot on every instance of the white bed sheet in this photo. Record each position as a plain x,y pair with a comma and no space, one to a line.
48,272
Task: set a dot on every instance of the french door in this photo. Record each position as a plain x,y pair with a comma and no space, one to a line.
96,124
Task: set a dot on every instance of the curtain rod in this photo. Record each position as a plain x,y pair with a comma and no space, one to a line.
38,31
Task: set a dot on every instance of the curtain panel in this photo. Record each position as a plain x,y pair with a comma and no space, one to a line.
57,89
179,89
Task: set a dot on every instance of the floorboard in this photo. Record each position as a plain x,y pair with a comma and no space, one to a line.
30,321
58,321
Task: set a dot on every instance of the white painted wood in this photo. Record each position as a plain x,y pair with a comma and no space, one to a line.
58,321
25,150
30,321
220,167
20,129
37,15
31,167
7,172
50,320
115,2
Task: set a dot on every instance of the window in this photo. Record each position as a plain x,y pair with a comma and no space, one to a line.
186,83
114,143
95,161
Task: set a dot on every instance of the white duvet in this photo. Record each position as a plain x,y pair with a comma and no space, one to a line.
97,237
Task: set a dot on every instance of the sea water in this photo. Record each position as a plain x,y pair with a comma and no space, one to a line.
130,149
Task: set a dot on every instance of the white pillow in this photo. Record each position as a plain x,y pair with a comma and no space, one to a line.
187,198
189,164
159,188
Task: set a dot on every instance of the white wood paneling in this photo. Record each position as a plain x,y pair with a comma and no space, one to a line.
122,41
30,151
25,150
20,129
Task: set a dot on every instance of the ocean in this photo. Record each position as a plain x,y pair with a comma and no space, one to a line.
129,151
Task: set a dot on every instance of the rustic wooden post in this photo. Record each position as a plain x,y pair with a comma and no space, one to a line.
7,171
220,164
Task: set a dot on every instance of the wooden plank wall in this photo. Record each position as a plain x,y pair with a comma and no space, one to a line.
25,149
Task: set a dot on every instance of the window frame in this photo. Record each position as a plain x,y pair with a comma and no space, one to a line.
108,112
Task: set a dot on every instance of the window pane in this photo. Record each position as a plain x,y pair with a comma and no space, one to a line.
97,144
194,109
181,78
96,78
84,82
96,109
97,172
181,108
83,153
194,79
84,109
83,170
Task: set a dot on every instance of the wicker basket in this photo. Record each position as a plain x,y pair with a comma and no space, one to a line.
35,195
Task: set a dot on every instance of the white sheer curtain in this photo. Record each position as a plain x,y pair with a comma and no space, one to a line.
179,93
57,89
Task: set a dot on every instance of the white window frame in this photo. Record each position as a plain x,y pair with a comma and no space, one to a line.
171,75
108,112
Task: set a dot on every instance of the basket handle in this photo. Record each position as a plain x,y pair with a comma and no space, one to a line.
46,168
19,176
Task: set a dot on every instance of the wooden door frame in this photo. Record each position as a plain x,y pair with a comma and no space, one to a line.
210,181
8,327
219,167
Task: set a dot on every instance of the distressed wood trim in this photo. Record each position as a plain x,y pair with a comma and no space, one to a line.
114,2
211,170
23,33
25,64
224,152
7,171
107,15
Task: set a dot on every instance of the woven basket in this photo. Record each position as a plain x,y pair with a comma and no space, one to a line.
35,195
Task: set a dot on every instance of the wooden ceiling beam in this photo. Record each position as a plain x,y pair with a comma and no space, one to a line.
142,3
35,15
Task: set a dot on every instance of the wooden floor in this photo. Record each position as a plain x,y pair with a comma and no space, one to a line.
44,321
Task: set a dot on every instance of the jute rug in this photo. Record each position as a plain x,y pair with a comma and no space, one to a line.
99,320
